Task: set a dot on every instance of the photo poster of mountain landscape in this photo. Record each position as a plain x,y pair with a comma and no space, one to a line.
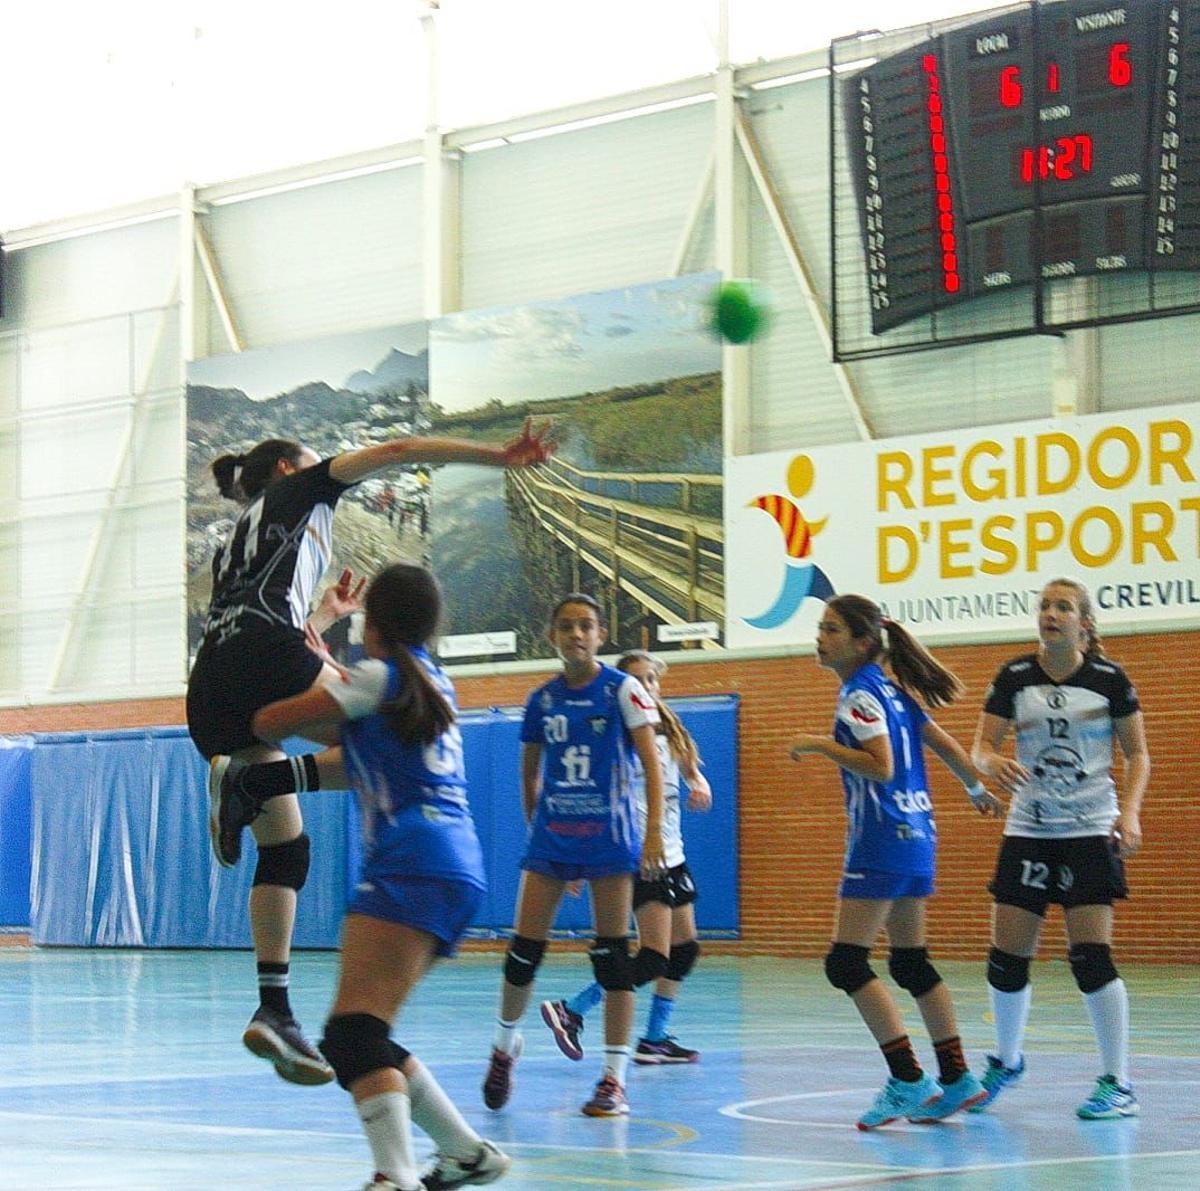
629,510
331,394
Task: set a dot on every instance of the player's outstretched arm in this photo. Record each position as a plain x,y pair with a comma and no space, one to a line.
529,447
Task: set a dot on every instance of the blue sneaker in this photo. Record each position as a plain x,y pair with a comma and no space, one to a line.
965,1092
1108,1101
899,1099
995,1079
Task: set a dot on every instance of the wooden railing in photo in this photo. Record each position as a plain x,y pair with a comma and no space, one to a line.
667,552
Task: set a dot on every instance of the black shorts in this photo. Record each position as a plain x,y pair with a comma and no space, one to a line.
1034,872
674,888
233,680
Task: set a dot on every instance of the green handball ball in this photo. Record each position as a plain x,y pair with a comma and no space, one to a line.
740,311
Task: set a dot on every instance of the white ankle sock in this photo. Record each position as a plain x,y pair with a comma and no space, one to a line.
1011,1011
386,1123
434,1111
616,1061
505,1037
1108,1007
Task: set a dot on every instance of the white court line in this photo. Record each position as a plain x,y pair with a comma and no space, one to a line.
906,1174
251,1131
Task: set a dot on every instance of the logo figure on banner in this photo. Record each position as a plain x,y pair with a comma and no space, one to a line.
803,578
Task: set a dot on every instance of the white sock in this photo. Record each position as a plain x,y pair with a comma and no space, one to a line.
434,1111
616,1060
1108,1007
505,1037
385,1120
1011,1011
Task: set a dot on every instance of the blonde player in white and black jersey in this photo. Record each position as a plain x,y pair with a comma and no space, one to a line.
1066,835
255,652
668,946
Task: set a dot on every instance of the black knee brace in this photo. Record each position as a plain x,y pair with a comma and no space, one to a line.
682,959
1007,972
611,964
847,967
648,965
523,959
1092,966
910,968
284,864
355,1044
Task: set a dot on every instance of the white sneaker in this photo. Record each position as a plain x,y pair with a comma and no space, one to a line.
489,1165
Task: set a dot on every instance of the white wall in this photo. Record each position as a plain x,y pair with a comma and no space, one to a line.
91,408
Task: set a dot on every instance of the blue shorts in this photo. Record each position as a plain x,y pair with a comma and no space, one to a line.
562,870
874,884
442,908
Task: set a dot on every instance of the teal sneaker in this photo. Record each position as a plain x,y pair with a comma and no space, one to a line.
995,1079
1108,1101
899,1099
964,1093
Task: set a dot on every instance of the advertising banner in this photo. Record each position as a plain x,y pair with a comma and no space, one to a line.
956,532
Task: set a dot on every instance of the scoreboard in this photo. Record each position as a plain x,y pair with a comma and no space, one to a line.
1035,144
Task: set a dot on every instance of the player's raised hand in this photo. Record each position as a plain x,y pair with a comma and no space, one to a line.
531,446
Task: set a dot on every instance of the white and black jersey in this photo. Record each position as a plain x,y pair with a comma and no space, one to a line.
270,563
1064,736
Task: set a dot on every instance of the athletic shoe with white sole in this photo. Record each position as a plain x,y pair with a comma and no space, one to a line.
608,1100
665,1050
229,810
995,1079
898,1098
565,1026
490,1164
280,1041
1108,1101
963,1093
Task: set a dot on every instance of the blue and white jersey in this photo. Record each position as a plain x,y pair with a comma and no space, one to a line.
416,820
891,825
586,811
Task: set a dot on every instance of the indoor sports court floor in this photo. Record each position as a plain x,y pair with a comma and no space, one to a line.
123,1069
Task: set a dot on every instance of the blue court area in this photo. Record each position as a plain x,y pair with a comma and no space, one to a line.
124,1069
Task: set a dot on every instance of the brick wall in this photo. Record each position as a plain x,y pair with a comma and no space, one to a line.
791,823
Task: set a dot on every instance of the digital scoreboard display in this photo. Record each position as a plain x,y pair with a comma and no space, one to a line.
1038,143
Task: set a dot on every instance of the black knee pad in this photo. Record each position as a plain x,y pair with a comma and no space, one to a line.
648,965
682,959
1092,966
284,864
1007,972
611,964
523,959
910,968
355,1044
848,967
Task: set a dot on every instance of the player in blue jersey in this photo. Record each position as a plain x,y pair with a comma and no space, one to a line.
878,742
666,920
581,732
393,718
1067,836
255,652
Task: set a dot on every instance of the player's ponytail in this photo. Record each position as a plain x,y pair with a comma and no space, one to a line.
243,477
912,665
679,739
403,606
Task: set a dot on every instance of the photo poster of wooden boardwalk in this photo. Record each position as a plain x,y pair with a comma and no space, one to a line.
331,394
630,507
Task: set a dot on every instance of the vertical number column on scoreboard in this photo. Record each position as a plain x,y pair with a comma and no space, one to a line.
1173,231
888,129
